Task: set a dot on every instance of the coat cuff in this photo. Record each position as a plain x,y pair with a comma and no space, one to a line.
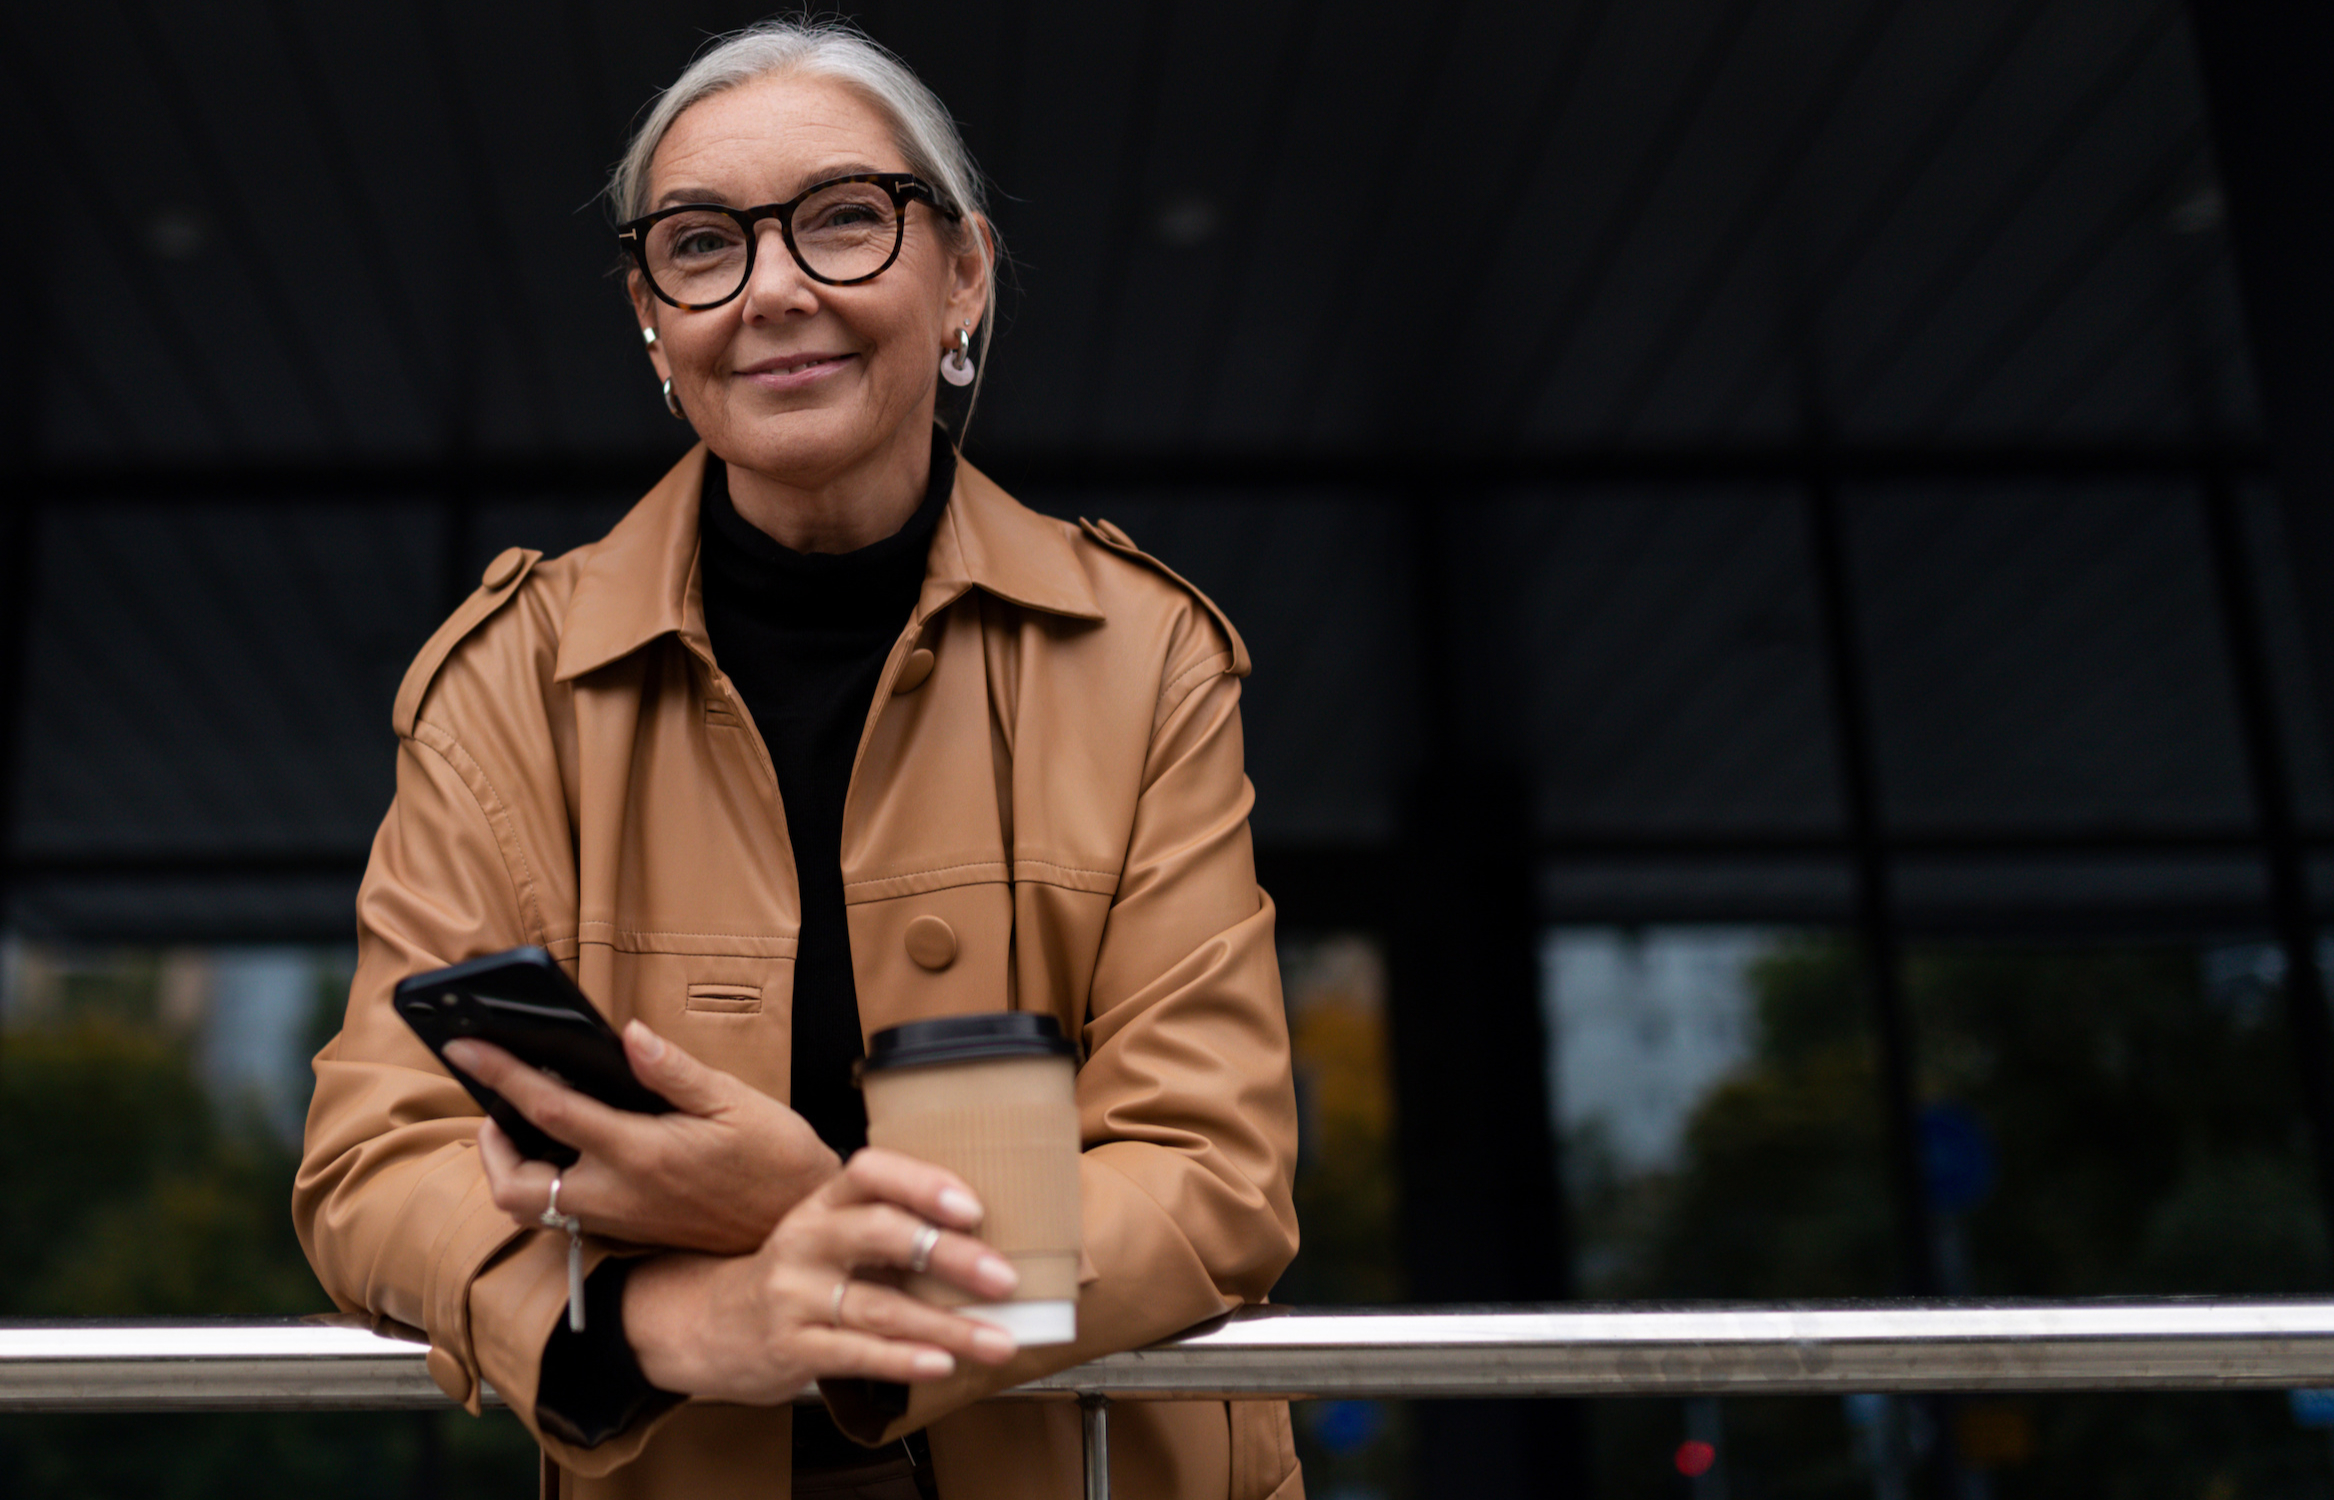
592,1387
516,1303
454,1194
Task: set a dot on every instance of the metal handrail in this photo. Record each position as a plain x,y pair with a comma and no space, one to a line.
1314,1353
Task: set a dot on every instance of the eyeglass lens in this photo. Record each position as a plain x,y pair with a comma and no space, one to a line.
842,232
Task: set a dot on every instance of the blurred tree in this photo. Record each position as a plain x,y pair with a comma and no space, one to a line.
1345,1196
127,1193
2147,1144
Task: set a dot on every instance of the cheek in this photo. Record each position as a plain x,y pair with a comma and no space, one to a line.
694,353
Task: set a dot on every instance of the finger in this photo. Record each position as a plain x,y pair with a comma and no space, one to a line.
687,1084
894,1315
555,1109
884,1234
521,1188
875,1175
839,1353
496,1152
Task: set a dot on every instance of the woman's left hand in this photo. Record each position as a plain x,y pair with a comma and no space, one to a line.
716,1174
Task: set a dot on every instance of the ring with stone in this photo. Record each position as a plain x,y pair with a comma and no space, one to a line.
920,1258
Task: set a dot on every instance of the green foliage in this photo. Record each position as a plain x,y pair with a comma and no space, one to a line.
344,1455
90,1117
2150,1141
2148,1144
129,1195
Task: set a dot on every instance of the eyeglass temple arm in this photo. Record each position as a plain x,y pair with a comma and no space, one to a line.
931,197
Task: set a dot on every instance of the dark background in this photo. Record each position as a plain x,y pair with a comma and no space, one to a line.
1854,469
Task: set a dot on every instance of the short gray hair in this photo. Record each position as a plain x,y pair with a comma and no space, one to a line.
922,128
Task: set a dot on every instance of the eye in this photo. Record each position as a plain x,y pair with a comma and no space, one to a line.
696,237
851,208
703,240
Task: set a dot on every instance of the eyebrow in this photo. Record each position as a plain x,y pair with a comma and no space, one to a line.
809,179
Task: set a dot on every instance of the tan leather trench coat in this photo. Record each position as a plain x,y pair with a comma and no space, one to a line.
1052,767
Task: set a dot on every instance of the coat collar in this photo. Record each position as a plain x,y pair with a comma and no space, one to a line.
642,581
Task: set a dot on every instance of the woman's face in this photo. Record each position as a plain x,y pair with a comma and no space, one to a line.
806,383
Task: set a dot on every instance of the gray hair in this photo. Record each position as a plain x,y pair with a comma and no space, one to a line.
921,126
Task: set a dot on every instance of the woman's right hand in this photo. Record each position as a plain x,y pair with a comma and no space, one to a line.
756,1329
717,1173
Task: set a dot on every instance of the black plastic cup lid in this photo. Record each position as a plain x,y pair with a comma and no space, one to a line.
953,1039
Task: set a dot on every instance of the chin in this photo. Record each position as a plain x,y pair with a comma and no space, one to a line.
810,444
807,443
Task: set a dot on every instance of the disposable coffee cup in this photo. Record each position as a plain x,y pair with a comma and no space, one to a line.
991,1098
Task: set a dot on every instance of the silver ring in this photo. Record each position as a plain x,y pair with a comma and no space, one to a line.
920,1258
551,1217
835,1302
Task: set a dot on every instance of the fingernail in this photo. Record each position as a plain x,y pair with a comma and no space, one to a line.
997,1274
650,1044
960,1205
933,1363
996,1343
459,1053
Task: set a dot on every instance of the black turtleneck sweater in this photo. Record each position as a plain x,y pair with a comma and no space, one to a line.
803,637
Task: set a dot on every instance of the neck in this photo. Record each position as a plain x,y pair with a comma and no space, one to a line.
852,510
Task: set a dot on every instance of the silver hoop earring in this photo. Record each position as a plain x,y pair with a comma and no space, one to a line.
957,368
670,404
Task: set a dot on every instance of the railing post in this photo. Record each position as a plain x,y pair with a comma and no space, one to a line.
1094,1414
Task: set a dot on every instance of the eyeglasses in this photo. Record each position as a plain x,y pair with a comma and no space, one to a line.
842,232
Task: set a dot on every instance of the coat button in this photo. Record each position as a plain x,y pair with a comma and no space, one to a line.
504,568
931,943
447,1371
913,671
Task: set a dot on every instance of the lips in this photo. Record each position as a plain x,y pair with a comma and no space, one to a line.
792,364
794,372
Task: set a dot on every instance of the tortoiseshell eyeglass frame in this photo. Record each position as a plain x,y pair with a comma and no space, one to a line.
902,186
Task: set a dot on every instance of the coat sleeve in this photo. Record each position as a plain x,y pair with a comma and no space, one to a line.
391,1203
1186,1108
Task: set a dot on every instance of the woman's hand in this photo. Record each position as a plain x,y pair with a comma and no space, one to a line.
756,1329
716,1174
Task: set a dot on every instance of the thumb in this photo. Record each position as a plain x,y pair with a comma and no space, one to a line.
688,1084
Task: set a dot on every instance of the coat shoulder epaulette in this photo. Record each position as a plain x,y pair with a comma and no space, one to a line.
1108,534
500,581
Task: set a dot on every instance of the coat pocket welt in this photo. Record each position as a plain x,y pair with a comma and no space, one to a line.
725,999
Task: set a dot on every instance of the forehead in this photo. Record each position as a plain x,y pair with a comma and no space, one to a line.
768,135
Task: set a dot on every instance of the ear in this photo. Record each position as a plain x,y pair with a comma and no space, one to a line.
968,288
645,311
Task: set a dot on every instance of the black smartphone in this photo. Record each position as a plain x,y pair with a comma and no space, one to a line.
524,1004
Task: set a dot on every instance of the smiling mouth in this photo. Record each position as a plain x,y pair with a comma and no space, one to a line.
795,366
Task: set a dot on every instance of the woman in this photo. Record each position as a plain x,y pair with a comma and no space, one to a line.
828,734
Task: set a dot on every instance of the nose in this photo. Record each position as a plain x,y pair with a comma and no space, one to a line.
777,286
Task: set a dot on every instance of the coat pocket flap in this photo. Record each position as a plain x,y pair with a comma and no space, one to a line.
725,999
